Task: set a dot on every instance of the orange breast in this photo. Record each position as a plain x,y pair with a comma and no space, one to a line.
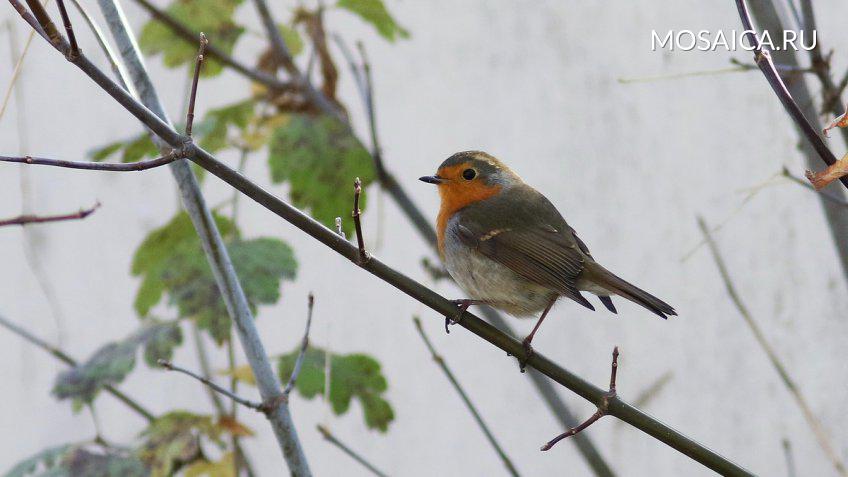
456,196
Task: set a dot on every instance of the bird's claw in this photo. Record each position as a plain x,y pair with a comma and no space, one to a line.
529,352
463,306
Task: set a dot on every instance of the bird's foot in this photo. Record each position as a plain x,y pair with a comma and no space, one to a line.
528,353
462,305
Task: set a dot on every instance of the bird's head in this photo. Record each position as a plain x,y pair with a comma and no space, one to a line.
470,176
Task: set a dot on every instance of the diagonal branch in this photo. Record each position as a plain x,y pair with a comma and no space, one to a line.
465,399
763,60
424,295
40,219
350,452
788,382
256,406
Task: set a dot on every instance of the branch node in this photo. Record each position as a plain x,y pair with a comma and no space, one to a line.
603,406
364,256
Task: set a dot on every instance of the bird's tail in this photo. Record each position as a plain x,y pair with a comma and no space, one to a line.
615,284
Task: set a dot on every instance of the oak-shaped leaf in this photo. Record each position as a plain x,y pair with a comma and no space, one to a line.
213,17
171,260
352,376
84,459
174,440
319,158
114,361
375,13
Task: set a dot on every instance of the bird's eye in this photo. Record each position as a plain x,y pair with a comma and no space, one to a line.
469,174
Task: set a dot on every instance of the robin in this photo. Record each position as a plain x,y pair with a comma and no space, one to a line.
508,247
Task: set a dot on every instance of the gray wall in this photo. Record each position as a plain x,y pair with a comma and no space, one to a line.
534,83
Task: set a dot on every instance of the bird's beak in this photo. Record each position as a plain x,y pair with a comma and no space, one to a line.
431,179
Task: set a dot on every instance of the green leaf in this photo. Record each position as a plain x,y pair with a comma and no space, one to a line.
84,460
113,362
292,39
173,440
351,376
132,150
375,13
216,124
171,260
320,158
213,17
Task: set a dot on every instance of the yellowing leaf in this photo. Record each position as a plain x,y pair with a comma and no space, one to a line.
222,468
242,373
234,427
839,122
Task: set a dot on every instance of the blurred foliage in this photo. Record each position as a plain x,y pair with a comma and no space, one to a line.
319,158
213,17
81,460
111,363
375,13
174,440
172,260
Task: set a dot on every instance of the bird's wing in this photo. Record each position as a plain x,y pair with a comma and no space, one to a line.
540,253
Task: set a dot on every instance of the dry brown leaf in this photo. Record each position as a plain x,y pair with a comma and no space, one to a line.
835,171
839,122
234,427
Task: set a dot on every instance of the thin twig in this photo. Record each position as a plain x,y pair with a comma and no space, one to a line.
465,399
117,66
350,452
357,224
69,30
70,361
100,166
193,96
823,193
790,459
444,307
39,219
16,72
763,59
256,406
603,406
788,382
304,344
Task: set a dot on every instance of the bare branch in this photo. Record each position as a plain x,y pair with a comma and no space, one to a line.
70,361
304,344
258,407
69,30
347,450
252,344
763,59
823,193
99,166
465,399
357,190
603,406
193,96
36,219
788,382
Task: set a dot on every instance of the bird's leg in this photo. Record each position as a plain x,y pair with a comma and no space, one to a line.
526,342
463,306
603,406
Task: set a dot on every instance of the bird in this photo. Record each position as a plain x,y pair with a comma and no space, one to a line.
507,246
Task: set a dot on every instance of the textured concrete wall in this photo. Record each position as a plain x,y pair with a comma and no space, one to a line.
629,165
